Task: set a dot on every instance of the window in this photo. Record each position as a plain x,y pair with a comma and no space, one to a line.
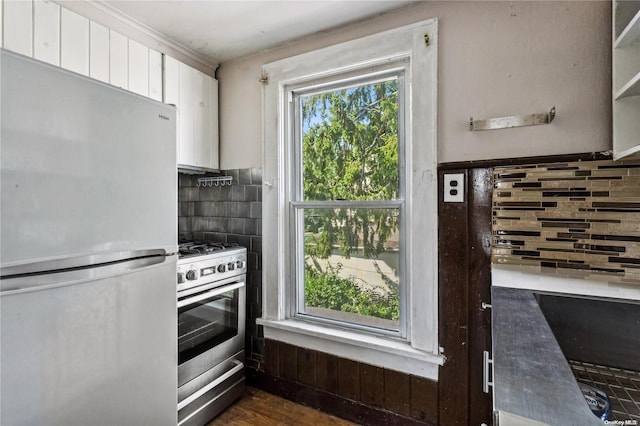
350,202
347,204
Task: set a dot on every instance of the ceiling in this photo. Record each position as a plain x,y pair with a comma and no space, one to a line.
221,30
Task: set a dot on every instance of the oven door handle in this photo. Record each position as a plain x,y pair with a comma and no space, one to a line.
238,367
209,294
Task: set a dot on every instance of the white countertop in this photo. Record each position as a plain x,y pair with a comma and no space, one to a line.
565,281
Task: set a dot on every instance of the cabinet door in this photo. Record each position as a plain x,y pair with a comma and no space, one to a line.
155,75
118,59
138,68
46,31
74,42
1,24
196,96
213,120
18,26
187,105
202,120
99,52
171,92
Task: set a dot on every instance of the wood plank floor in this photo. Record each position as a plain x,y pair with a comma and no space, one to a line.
259,408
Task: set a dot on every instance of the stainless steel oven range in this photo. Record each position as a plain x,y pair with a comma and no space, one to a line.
211,329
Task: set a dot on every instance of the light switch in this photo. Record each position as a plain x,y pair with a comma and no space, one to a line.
454,188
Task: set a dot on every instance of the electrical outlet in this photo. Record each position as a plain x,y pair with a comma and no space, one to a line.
454,188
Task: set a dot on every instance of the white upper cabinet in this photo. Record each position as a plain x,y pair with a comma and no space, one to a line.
118,60
196,96
18,26
98,52
74,42
626,79
138,68
46,31
1,24
155,75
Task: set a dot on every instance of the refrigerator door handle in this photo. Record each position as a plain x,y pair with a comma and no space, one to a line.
76,262
59,278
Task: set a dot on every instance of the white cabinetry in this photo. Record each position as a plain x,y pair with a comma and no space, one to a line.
74,42
118,57
138,63
626,79
155,75
196,96
46,31
18,26
98,52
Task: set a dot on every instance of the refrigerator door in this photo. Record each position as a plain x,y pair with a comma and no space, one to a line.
85,167
97,348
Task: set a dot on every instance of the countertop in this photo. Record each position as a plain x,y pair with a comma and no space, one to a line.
566,281
531,377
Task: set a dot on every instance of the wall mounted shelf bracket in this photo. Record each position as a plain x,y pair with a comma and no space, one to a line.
512,121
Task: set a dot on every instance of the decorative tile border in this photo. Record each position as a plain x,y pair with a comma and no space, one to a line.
582,216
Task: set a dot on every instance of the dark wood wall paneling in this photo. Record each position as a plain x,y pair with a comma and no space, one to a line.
349,389
464,247
376,396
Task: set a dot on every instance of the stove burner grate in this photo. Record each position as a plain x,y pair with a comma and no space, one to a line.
189,248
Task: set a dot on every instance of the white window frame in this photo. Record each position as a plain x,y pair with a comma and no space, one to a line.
415,46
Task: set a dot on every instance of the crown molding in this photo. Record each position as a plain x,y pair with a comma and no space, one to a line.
102,13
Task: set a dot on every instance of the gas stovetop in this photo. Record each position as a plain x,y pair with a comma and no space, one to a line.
207,262
203,248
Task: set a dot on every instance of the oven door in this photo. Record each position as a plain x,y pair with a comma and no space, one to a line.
211,326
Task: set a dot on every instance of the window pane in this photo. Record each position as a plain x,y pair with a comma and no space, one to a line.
350,143
351,266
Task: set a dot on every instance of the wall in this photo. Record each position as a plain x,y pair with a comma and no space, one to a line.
495,59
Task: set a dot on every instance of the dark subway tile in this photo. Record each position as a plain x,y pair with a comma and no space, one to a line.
237,193
244,177
256,176
256,210
250,226
236,225
256,244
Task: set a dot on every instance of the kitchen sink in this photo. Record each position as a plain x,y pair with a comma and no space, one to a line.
600,339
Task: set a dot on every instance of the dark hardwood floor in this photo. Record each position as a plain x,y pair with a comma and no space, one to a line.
258,408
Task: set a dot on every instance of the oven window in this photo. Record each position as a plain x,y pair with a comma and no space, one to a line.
207,323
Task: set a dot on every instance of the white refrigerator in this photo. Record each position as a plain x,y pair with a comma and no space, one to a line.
88,242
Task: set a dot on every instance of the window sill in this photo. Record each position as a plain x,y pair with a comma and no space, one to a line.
374,350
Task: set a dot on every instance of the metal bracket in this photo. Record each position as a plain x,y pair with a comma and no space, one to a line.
512,121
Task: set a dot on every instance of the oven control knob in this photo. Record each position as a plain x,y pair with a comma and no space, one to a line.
231,266
239,264
191,275
222,268
180,278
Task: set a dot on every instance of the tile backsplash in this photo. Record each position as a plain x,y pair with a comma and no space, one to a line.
231,214
579,215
